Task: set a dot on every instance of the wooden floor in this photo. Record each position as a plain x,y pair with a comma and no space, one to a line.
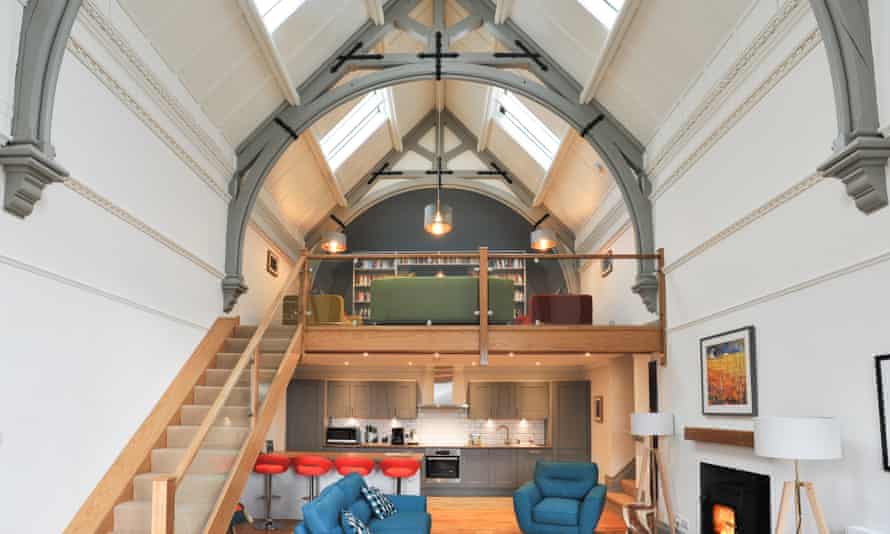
477,515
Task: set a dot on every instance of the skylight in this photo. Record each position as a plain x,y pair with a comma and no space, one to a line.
354,129
606,11
527,129
275,12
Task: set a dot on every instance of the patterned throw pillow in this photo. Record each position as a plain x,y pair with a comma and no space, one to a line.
352,524
380,504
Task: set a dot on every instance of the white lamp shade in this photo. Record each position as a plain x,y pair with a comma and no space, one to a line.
543,239
797,438
652,424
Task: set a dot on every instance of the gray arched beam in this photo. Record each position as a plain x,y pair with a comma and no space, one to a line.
860,151
620,153
530,214
28,159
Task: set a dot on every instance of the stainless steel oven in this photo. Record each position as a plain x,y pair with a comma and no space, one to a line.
442,466
342,435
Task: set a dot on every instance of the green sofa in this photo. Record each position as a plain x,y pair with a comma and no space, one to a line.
446,300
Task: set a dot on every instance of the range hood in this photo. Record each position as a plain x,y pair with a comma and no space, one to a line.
443,396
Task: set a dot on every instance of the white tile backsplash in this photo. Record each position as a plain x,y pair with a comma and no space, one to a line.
453,427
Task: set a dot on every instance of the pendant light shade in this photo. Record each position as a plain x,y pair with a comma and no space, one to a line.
333,242
438,219
543,239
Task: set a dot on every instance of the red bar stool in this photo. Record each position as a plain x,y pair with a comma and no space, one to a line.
354,464
269,465
399,468
312,466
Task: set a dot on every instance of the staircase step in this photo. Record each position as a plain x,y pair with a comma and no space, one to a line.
268,344
207,461
279,331
240,396
193,414
629,487
227,360
619,499
218,377
219,437
192,489
134,517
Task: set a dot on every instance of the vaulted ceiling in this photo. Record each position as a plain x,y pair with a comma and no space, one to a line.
637,69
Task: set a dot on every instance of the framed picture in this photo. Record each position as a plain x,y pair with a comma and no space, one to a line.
882,371
598,409
271,263
606,265
728,373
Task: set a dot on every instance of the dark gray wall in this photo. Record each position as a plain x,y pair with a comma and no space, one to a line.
396,224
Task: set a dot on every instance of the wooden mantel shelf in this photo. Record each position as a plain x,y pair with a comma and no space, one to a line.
722,436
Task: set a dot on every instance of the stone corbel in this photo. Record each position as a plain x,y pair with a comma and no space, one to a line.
28,170
862,166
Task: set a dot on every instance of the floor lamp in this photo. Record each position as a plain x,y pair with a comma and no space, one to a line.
798,438
651,425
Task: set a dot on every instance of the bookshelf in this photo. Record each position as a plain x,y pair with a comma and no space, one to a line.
366,271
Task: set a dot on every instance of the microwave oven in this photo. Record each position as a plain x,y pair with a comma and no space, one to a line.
342,435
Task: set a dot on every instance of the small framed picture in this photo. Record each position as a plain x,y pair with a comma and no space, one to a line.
598,409
882,372
606,265
271,263
728,373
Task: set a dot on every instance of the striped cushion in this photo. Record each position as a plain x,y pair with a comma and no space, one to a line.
352,524
380,504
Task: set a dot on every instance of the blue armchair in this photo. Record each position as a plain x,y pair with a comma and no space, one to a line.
564,498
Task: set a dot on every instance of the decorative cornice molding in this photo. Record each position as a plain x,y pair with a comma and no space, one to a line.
223,157
789,13
782,198
807,45
16,264
806,284
83,190
93,65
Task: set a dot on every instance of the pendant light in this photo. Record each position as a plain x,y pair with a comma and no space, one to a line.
543,239
334,242
438,218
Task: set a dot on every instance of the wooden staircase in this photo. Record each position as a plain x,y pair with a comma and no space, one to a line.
616,500
199,490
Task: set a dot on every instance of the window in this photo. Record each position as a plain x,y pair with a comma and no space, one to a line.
354,129
527,129
606,11
275,12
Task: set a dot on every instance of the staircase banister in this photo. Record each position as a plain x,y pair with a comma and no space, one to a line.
221,515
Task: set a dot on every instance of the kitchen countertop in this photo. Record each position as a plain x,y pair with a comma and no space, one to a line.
375,456
438,446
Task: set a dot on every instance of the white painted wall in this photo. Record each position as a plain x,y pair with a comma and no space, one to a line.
611,445
752,239
263,286
879,11
112,281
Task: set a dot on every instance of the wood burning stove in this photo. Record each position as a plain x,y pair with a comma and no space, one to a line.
733,501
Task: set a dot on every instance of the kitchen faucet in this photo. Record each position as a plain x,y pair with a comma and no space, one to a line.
507,439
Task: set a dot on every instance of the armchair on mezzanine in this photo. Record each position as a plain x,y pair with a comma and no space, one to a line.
564,498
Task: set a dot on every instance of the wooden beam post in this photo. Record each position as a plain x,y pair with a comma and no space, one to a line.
163,496
483,306
305,291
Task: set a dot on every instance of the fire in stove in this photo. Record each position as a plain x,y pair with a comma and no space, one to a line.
723,519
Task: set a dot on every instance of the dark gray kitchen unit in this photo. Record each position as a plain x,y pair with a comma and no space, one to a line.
571,421
372,400
492,471
509,400
305,416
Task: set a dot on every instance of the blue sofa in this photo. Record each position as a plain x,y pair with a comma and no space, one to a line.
322,516
564,498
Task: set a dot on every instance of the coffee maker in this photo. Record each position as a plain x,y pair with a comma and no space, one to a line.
397,436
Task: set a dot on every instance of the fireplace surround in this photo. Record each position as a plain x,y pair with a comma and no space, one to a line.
733,501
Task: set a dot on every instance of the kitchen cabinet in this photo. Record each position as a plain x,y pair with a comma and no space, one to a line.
533,399
403,399
502,470
475,468
480,399
305,416
339,403
526,459
380,400
505,407
372,400
571,422
360,397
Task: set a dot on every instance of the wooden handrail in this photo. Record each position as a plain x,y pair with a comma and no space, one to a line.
160,492
483,305
491,256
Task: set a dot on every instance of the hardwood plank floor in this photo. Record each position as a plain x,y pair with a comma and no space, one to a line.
476,515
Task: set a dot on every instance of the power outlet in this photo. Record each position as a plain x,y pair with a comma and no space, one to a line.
681,524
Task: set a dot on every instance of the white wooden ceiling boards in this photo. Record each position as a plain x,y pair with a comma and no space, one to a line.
230,72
